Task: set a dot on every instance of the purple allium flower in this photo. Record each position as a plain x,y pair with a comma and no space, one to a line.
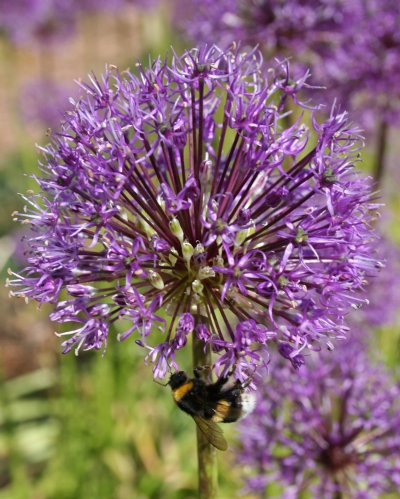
364,69
287,28
352,48
330,430
38,22
288,352
44,22
179,192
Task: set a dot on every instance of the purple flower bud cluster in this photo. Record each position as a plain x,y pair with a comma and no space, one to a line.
176,200
330,430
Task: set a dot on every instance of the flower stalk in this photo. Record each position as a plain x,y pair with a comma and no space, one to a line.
380,159
206,453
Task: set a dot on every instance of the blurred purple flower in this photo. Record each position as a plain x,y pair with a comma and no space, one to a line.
364,69
352,48
383,291
42,101
44,22
287,28
330,430
38,22
179,190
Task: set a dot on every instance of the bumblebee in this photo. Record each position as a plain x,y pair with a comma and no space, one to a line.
212,403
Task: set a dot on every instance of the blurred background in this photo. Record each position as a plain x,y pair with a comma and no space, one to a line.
92,426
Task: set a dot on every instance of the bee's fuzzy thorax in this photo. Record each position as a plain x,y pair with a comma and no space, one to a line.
178,379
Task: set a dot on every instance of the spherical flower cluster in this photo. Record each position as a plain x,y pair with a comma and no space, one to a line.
176,200
331,430
302,30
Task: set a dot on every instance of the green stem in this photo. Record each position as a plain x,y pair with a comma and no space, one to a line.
338,494
206,453
381,152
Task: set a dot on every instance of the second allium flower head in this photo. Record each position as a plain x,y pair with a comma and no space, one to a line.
181,189
330,431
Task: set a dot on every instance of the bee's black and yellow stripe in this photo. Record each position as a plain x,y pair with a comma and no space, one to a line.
182,390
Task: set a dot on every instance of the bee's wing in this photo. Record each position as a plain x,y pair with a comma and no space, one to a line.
212,432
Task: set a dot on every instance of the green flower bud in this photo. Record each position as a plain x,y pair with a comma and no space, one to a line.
176,229
205,273
187,250
156,280
173,256
197,287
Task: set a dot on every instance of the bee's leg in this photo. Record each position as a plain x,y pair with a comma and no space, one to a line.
198,369
220,381
233,369
247,381
224,379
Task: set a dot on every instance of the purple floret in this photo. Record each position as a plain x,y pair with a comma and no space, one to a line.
179,193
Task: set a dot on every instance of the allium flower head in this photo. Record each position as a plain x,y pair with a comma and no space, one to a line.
179,194
38,22
330,430
351,47
365,66
287,29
